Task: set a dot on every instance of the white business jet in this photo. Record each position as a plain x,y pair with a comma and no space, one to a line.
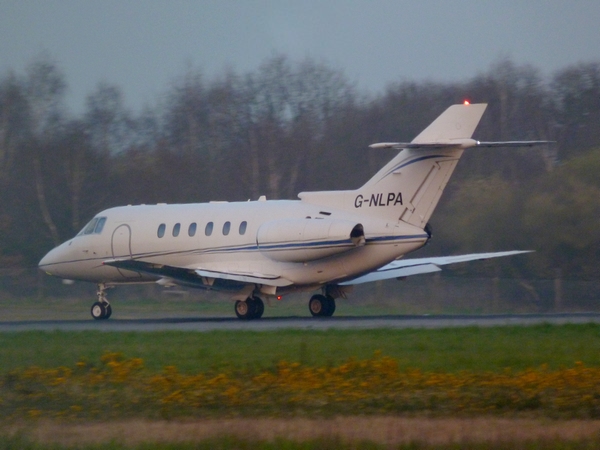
326,241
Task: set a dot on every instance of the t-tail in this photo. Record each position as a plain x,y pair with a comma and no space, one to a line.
409,187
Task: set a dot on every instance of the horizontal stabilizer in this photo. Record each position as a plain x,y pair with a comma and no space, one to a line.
455,143
409,267
514,143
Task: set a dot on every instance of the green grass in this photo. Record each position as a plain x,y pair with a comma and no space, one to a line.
445,350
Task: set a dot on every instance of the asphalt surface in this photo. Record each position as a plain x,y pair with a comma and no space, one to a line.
304,323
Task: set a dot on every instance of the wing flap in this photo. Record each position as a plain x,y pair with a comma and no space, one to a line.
254,278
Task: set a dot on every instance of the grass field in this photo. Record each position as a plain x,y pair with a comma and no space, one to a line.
544,378
444,350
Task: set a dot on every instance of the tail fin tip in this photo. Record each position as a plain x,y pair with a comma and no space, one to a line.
457,122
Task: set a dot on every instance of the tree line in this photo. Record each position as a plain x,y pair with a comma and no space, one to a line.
291,126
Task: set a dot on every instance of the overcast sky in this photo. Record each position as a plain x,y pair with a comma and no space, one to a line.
143,45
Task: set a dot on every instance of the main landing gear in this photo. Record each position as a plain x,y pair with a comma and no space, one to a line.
251,308
321,305
101,309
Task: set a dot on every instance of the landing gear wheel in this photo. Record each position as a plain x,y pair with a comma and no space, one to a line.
244,309
259,307
321,306
251,308
317,305
108,311
99,311
330,306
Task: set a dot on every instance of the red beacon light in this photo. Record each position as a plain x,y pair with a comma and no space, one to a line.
466,102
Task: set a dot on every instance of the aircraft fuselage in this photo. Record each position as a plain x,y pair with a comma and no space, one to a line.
218,236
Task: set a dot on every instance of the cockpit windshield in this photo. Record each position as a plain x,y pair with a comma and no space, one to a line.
94,226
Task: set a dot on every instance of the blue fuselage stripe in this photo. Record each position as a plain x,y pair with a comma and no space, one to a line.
408,163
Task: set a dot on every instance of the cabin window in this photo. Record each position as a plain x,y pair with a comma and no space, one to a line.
176,229
226,228
161,230
209,228
192,229
243,226
89,228
94,226
100,225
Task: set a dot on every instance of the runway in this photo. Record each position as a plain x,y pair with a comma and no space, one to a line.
302,323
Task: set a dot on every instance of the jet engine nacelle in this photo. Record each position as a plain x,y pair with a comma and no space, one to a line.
300,240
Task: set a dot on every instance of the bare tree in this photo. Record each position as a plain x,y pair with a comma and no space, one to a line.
13,123
45,87
576,95
109,124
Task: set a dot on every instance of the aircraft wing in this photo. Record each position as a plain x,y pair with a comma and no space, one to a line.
200,277
207,278
408,267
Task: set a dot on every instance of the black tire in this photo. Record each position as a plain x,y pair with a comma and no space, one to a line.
108,311
259,307
317,305
330,306
244,310
98,311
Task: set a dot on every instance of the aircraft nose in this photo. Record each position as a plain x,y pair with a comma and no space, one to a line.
48,259
52,259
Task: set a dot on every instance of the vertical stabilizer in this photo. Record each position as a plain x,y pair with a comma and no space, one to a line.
457,122
409,187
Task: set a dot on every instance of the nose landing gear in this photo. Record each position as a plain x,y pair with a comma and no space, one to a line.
101,309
